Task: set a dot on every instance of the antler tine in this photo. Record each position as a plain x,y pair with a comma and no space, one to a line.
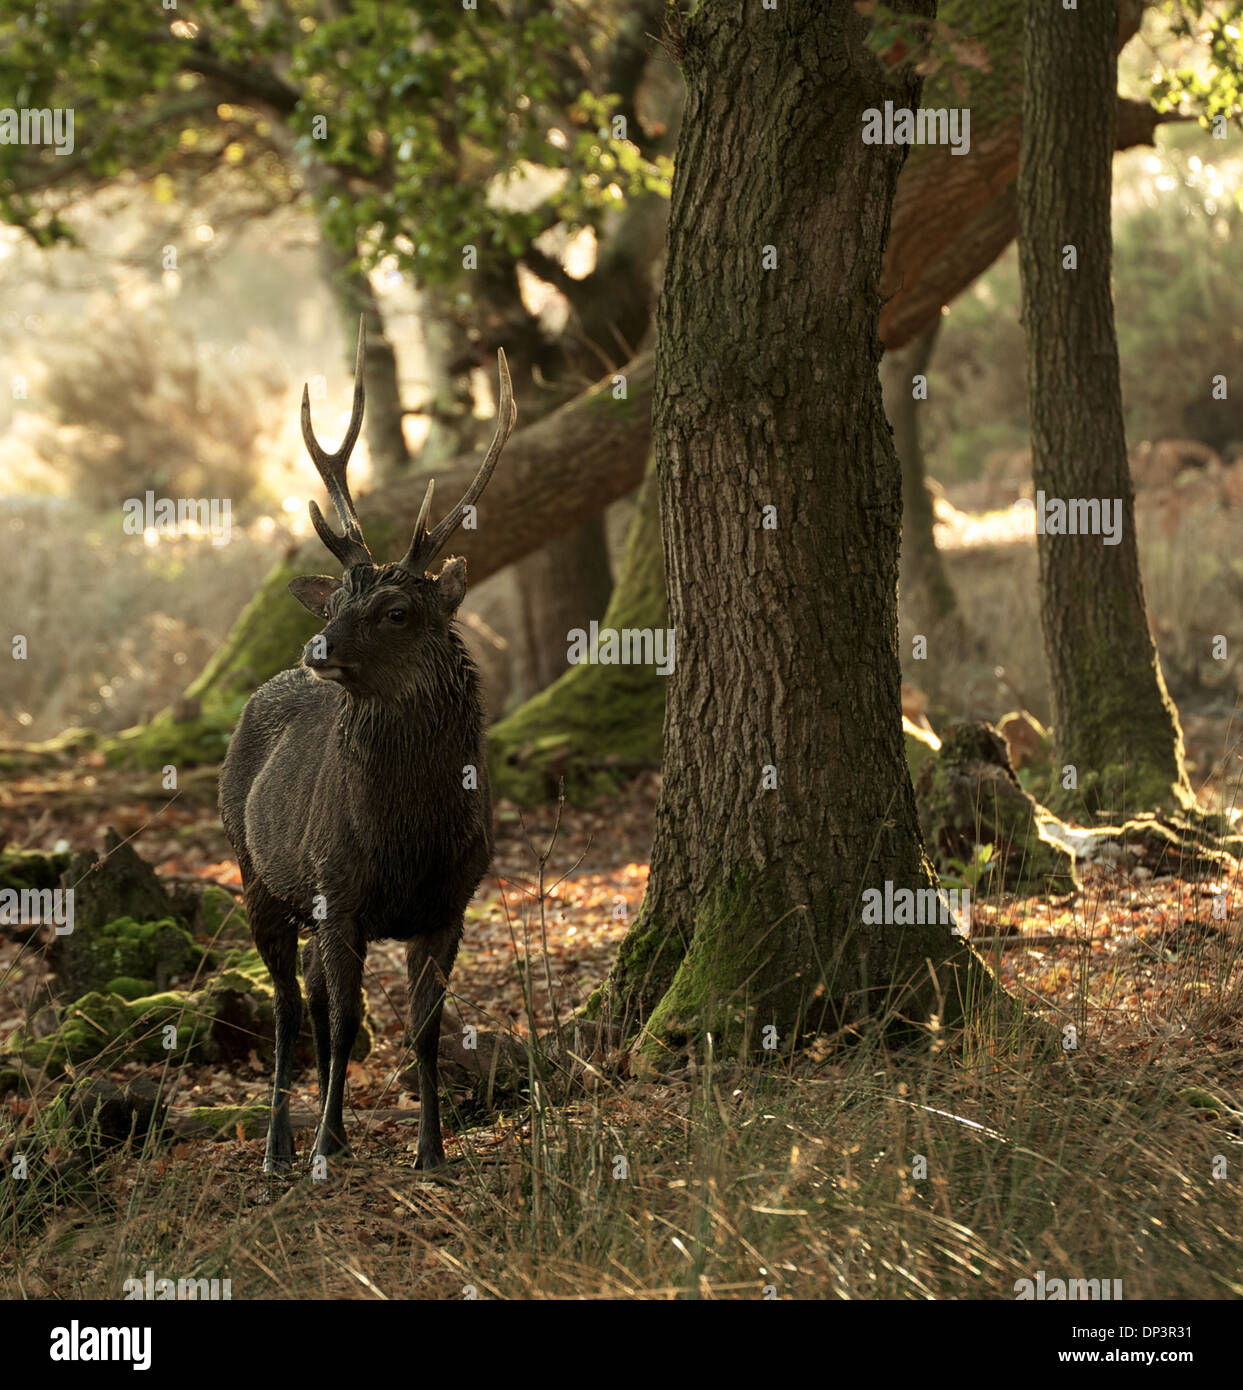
420,526
426,545
350,548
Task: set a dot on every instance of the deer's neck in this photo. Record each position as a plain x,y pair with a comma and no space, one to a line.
424,737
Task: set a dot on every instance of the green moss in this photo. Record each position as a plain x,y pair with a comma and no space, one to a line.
595,727
23,868
647,961
128,988
243,974
165,741
224,1119
705,993
1119,789
267,637
143,951
247,965
221,914
107,1029
593,1009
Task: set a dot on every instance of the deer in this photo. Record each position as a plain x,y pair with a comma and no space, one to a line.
355,792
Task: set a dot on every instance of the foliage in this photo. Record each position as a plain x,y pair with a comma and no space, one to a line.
1209,80
399,119
970,874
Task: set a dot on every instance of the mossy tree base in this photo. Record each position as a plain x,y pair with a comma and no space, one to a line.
1122,789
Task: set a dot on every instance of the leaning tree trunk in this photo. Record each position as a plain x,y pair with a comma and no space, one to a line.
1117,731
785,788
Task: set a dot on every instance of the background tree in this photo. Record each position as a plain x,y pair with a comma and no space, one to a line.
925,586
1115,725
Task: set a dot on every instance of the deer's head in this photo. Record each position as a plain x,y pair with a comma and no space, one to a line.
384,622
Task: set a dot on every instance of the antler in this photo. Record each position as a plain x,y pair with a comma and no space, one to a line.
350,548
426,545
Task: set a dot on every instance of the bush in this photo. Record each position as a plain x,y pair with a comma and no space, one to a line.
133,402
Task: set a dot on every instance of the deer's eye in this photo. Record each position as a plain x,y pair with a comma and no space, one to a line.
396,615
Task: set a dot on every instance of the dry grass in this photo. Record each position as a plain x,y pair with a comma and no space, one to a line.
733,1180
949,1170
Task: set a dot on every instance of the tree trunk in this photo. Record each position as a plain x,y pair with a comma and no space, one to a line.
1114,722
785,786
597,723
564,585
924,585
353,293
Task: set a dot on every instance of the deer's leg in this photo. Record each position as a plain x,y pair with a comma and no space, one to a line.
277,940
429,959
317,1003
341,958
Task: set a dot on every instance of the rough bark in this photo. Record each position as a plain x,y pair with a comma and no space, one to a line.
1114,721
768,396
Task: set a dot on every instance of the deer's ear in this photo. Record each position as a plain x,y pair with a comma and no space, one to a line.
313,591
451,584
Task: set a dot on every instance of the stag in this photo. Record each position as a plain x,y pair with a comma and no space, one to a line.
355,792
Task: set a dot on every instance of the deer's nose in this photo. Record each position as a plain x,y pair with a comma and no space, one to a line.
318,652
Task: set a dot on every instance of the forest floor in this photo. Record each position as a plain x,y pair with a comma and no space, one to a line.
715,1181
